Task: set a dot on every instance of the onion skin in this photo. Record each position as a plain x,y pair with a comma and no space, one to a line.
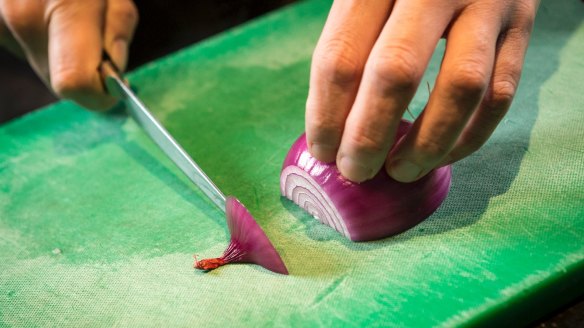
374,209
248,243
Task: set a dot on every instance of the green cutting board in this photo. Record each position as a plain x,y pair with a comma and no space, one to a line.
97,227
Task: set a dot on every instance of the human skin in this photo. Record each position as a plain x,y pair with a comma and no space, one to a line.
366,68
370,59
63,41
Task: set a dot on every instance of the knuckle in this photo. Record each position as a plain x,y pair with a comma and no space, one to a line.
525,26
469,78
519,32
502,93
337,61
70,83
396,68
524,17
430,148
365,142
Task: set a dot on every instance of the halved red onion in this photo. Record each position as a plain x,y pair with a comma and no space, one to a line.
371,210
248,244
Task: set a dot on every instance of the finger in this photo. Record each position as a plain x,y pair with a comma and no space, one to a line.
339,58
461,83
120,23
499,95
27,33
392,74
7,41
75,47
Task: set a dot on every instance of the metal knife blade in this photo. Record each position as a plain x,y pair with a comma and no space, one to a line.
114,84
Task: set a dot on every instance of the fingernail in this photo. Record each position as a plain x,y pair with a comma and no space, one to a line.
404,171
323,152
354,170
119,53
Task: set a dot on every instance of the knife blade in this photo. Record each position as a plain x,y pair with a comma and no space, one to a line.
113,81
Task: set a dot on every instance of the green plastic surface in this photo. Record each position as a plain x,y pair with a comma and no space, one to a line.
97,227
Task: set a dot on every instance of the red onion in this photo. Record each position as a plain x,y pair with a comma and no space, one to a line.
373,209
248,244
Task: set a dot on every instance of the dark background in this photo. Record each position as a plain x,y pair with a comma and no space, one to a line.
166,26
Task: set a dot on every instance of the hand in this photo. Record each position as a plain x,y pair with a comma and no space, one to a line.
63,42
369,62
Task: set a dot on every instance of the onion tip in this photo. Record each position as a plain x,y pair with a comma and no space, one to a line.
248,243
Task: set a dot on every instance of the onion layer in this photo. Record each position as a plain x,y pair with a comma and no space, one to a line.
248,243
371,210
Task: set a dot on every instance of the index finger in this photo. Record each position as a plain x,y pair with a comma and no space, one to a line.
75,47
392,74
339,58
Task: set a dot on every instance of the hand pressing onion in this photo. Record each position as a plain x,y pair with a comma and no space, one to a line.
371,210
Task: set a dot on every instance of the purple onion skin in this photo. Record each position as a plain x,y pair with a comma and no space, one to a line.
249,243
374,209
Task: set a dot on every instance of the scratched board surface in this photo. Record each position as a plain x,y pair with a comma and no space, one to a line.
97,227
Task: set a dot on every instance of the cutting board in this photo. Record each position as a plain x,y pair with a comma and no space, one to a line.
97,227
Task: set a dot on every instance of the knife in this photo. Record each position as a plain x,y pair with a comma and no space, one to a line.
114,84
